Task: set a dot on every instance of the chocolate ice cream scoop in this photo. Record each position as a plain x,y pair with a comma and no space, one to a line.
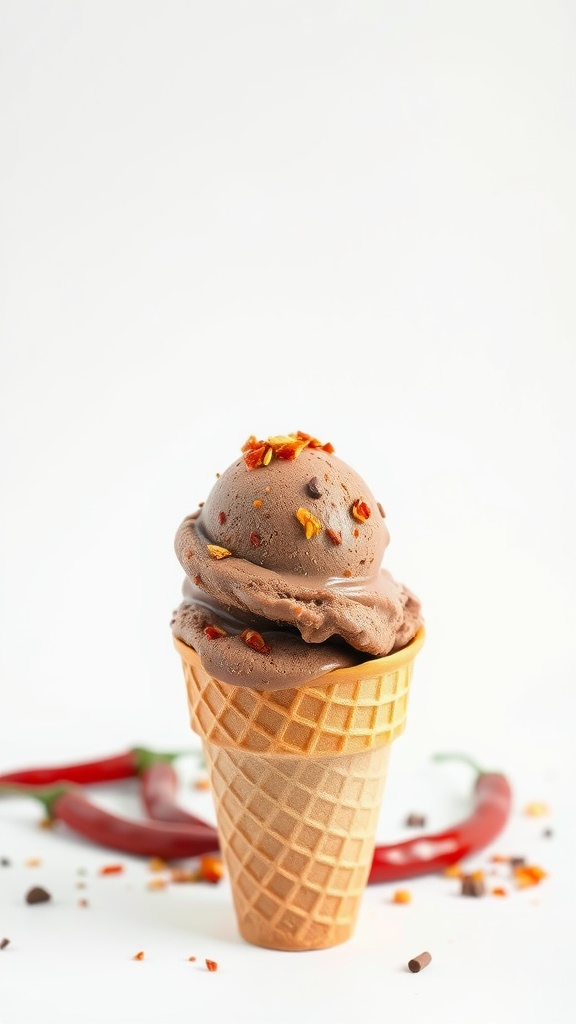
289,542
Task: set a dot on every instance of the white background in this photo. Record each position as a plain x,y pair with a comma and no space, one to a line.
353,219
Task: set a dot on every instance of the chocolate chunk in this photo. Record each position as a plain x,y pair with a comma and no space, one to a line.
37,895
313,488
419,962
416,820
4,943
471,886
4,862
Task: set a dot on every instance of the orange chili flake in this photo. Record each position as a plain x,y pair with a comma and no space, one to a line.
347,573
537,809
215,551
312,526
112,869
213,632
255,641
335,537
255,540
254,457
183,875
157,864
361,511
221,518
157,883
203,783
401,896
453,871
32,862
527,875
258,503
499,891
211,965
192,959
211,868
140,955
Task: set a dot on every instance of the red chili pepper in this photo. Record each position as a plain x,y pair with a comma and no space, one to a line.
427,854
70,805
106,769
158,787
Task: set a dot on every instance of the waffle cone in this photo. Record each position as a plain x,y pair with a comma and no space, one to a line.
297,777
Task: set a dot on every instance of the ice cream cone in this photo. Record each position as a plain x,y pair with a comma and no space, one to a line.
297,777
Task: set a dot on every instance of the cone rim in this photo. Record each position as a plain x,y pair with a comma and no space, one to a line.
365,669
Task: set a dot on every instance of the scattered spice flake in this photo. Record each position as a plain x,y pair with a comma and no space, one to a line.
221,518
548,833
37,895
32,862
335,536
203,783
81,885
157,883
537,809
215,551
402,896
182,876
211,868
4,943
257,503
312,526
198,581
214,632
415,821
211,965
156,864
83,903
46,823
4,862
517,862
498,858
347,573
453,871
528,874
253,639
255,540
499,891
139,956
254,457
111,869
361,511
192,959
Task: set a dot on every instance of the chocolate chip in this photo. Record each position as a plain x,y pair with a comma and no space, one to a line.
37,895
548,833
419,962
471,886
416,820
4,943
4,862
313,488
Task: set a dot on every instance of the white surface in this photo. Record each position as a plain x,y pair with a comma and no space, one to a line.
378,198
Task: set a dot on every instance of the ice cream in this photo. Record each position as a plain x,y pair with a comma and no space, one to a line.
297,649
289,549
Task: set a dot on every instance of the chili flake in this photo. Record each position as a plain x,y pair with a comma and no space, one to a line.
211,868
361,511
527,875
258,503
215,551
255,641
335,536
211,965
213,632
536,809
112,869
312,526
255,540
221,518
140,955
401,896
